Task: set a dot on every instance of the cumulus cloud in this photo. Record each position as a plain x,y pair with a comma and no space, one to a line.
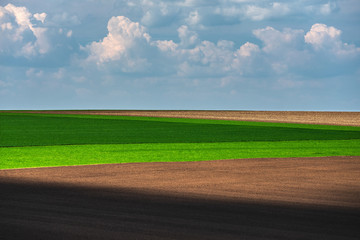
216,57
318,52
125,44
20,37
129,47
247,49
187,37
321,34
216,45
275,40
325,38
206,58
282,53
166,45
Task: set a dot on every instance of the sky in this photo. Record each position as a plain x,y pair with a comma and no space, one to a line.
188,54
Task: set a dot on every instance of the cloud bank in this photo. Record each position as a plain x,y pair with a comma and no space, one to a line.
128,45
180,54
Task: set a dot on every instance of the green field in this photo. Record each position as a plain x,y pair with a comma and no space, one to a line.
37,140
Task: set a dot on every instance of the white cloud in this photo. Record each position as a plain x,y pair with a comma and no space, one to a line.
122,35
232,11
166,46
257,13
321,34
219,55
158,13
19,36
193,18
187,38
229,11
196,57
275,40
247,49
325,38
42,44
40,17
287,51
69,33
317,8
126,42
327,8
129,47
282,53
22,15
6,26
247,59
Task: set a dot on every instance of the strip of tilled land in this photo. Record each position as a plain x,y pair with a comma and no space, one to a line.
327,118
293,198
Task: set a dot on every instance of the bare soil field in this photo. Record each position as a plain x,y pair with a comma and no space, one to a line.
285,198
327,118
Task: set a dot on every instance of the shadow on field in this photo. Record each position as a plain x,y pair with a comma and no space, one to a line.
43,211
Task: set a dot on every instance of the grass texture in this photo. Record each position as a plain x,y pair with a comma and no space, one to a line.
39,140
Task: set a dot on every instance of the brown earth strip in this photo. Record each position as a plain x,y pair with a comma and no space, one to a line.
306,117
330,181
283,198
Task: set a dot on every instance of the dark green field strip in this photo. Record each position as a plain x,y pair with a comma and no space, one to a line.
43,130
189,120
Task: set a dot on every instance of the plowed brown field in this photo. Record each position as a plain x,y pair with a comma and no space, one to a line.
330,118
290,198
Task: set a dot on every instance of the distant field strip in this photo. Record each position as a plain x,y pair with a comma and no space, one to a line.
38,140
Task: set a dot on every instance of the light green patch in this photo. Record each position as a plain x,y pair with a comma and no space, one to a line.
42,156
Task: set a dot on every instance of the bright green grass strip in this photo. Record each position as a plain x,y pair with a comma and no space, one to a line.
43,156
45,130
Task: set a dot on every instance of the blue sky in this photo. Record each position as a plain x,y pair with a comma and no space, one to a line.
188,54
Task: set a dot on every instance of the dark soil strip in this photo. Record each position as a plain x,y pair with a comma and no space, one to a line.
45,211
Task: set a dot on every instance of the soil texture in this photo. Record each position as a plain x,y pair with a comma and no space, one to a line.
283,198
